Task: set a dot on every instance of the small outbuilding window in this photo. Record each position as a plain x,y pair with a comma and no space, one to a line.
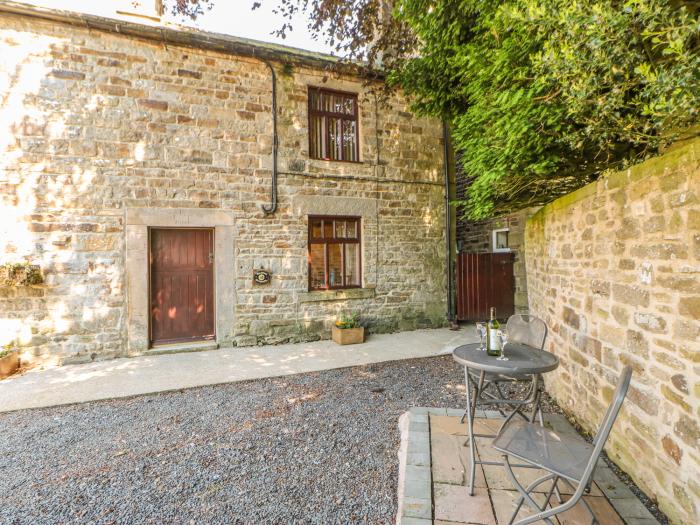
333,125
500,240
334,253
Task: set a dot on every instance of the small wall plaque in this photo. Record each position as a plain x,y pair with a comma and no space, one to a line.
261,276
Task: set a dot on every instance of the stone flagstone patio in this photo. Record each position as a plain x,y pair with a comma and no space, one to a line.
432,477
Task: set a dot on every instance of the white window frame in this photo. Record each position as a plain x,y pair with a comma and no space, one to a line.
494,235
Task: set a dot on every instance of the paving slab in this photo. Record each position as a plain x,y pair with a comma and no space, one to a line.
579,515
453,504
495,497
161,373
505,503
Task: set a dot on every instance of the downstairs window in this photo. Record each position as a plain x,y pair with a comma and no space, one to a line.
334,253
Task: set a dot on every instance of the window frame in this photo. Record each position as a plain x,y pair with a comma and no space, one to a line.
326,114
494,239
335,240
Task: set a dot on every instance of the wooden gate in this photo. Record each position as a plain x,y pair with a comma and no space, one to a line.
182,285
484,280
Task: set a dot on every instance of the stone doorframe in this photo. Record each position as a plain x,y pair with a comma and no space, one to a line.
138,220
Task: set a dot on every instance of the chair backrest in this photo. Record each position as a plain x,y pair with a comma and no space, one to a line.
607,423
527,329
623,384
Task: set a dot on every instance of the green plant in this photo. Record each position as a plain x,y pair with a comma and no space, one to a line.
348,321
545,95
20,274
7,350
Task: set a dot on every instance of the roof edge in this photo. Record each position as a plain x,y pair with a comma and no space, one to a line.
184,36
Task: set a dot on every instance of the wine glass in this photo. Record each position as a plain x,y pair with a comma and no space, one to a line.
503,335
481,332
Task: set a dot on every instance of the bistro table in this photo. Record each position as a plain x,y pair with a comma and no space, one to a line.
523,361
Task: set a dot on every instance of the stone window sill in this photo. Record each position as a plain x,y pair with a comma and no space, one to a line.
336,295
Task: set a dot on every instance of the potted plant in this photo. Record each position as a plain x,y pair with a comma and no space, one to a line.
9,361
347,330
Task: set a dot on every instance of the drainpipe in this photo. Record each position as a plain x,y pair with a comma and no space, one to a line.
270,209
448,223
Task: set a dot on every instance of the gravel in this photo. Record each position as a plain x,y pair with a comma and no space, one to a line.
311,448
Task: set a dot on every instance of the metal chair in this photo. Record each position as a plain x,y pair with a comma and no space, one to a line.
521,328
527,329
569,459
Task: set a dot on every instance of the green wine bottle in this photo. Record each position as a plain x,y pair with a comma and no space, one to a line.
493,345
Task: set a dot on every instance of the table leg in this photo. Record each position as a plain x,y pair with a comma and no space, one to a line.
479,390
470,433
536,403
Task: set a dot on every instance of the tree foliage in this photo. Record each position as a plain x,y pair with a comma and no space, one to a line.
542,95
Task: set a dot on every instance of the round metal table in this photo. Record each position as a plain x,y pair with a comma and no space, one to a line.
523,361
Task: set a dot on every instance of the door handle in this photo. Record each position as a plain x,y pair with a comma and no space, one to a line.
211,257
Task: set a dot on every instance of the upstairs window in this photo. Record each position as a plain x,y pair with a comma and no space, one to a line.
333,125
334,253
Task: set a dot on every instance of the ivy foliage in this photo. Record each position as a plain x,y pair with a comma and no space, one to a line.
544,95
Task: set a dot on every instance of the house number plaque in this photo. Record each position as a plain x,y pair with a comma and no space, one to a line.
261,277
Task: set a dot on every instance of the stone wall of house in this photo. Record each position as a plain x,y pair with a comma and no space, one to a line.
614,269
95,125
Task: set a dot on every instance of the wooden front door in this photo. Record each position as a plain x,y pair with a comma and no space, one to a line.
484,280
182,285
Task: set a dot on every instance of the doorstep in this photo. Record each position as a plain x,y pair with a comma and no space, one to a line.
176,348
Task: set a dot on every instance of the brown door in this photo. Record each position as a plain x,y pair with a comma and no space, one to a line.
182,285
484,280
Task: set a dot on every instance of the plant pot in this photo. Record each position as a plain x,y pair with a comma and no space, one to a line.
348,336
9,364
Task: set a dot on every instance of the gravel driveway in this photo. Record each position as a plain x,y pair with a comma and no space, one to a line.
311,448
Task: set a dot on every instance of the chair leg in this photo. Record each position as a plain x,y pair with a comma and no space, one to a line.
551,491
516,410
521,500
507,420
540,417
500,393
525,495
536,410
529,489
583,500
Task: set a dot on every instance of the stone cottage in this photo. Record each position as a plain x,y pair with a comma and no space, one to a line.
179,189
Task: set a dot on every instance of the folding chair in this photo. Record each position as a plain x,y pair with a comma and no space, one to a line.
569,459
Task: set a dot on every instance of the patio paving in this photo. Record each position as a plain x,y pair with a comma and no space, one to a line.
433,448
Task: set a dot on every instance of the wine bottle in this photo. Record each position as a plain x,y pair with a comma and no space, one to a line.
493,345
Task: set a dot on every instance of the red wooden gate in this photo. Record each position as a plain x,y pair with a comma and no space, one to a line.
182,285
484,280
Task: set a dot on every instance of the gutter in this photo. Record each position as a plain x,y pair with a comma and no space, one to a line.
449,266
269,209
